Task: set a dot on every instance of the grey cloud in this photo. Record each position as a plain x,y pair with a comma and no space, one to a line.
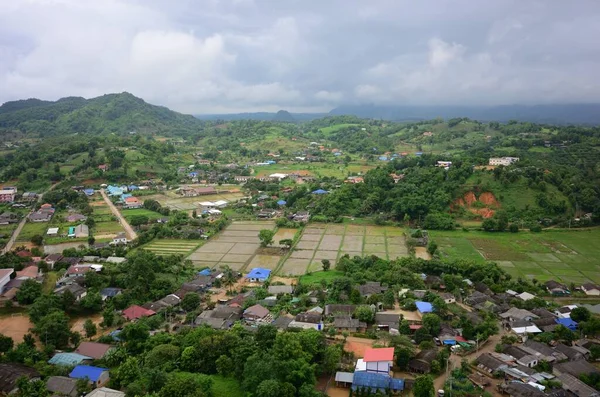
247,55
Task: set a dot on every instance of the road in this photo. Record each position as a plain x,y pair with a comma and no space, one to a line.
21,224
131,234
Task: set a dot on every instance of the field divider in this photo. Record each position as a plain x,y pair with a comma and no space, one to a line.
316,249
289,253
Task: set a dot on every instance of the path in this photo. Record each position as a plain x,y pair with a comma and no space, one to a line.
131,234
19,228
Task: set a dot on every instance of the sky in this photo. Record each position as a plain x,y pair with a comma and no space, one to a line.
228,56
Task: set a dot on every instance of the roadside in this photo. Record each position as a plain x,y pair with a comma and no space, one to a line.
131,234
19,228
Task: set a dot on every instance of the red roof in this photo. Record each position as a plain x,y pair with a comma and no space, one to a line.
46,205
134,312
415,326
382,354
131,200
24,254
459,339
29,271
79,269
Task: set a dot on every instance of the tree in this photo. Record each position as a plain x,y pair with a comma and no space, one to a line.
513,228
266,237
326,264
37,240
432,247
364,314
6,343
580,314
92,301
225,366
332,358
108,317
190,302
423,387
30,290
432,323
287,242
89,328
138,220
29,388
187,386
53,329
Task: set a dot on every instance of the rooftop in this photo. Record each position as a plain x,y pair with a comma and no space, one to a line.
381,354
87,371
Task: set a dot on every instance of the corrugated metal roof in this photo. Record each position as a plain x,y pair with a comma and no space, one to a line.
87,371
68,359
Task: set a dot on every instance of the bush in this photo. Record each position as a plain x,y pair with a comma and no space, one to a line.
513,228
535,228
439,221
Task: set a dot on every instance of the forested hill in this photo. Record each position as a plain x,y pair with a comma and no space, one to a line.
551,114
111,113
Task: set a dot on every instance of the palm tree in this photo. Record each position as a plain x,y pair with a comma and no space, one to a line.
228,277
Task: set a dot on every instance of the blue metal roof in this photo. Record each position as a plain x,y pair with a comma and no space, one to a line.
87,371
424,307
89,192
68,359
110,292
259,273
115,335
567,322
281,202
205,272
320,191
375,381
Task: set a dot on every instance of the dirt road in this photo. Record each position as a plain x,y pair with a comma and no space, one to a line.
131,234
17,231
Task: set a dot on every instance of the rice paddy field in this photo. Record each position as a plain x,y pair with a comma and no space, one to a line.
332,241
171,246
570,256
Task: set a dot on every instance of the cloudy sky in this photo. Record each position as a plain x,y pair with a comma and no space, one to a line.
219,56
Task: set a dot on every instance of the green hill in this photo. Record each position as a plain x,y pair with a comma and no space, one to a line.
112,113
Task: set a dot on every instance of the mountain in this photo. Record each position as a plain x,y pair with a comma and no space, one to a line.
551,114
111,113
285,116
263,116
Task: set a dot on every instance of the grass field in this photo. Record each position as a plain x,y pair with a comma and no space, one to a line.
128,214
172,200
171,247
334,128
315,169
316,277
568,256
31,229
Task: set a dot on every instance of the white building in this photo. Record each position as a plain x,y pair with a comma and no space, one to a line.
278,176
5,277
444,164
505,161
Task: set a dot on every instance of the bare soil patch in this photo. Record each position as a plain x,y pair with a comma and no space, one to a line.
265,261
16,326
421,252
294,266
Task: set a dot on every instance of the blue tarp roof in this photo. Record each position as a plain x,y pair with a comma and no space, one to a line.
259,272
376,381
205,272
110,292
68,359
132,187
87,371
567,322
450,342
383,158
320,191
115,335
281,202
126,195
424,307
88,191
418,153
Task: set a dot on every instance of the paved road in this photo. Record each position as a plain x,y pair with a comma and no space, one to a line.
131,234
17,231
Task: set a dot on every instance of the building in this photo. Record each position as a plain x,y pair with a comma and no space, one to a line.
114,190
591,289
108,293
132,203
8,217
577,387
258,275
347,323
136,312
422,361
62,386
515,314
31,271
105,392
444,164
257,313
79,231
96,376
447,297
93,349
103,167
371,288
10,374
69,359
280,289
379,360
424,307
489,363
505,161
387,321
72,218
339,309
556,288
120,238
75,289
7,194
374,382
575,368
5,278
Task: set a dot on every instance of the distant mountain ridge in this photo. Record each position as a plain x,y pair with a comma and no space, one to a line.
551,114
118,113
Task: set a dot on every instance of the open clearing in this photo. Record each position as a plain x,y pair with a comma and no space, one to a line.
332,241
570,256
174,201
171,247
236,247
15,326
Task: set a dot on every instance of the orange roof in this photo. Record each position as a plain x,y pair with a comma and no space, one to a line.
29,271
134,312
46,205
131,200
382,354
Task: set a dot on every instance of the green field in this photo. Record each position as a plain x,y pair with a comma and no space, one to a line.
334,128
315,169
171,246
128,214
571,256
31,229
317,277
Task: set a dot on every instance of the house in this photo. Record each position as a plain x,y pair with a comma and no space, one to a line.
591,289
78,291
424,307
221,317
576,387
132,203
301,216
7,194
280,289
105,392
422,361
103,167
5,278
521,389
41,216
79,231
567,322
571,353
78,270
96,376
374,382
337,309
379,360
88,192
120,238
523,327
312,317
278,176
387,321
505,161
107,293
72,218
542,351
556,288
575,368
347,323
69,359
136,312
114,190
93,349
62,386
116,259
30,196
258,275
489,363
10,374
525,296
52,259
8,217
515,314
564,311
283,322
447,297
371,288
256,313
